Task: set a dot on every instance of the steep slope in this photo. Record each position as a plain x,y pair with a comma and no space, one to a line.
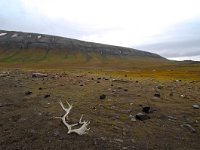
32,47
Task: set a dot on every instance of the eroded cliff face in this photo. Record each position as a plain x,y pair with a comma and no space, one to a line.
21,40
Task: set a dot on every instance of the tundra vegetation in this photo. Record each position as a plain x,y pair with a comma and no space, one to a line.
137,102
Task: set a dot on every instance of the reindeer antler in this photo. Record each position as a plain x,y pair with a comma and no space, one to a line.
82,130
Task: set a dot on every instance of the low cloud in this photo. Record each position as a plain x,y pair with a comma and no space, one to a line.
178,41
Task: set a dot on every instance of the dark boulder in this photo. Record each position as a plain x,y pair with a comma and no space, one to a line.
142,117
103,96
146,109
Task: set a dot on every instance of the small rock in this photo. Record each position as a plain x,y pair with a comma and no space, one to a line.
116,128
32,131
103,96
95,141
142,117
171,118
155,98
157,94
39,114
133,119
47,95
113,107
116,117
81,85
146,109
28,93
125,90
56,133
189,127
35,75
103,138
171,94
133,140
119,140
195,106
40,88
159,87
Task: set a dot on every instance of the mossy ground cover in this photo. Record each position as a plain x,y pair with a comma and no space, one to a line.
28,121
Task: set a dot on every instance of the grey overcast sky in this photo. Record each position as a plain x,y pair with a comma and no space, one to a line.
170,28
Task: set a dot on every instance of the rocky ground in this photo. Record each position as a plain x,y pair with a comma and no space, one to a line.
125,113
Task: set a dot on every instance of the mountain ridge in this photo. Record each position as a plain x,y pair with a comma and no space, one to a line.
25,40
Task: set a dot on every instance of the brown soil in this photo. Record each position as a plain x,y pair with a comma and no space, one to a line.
27,121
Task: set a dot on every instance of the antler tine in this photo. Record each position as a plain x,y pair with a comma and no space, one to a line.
61,104
70,106
80,121
82,130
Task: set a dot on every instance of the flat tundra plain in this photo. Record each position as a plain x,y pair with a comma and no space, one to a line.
111,100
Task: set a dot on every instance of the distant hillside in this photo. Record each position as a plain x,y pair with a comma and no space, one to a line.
32,47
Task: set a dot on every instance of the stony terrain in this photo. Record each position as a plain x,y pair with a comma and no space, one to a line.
133,99
110,100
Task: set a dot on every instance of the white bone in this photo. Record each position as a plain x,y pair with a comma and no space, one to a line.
82,130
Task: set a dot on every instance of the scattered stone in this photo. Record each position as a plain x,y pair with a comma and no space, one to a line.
133,140
124,148
103,96
157,94
195,106
37,75
189,127
81,85
125,90
103,138
171,94
116,117
136,81
119,140
155,98
119,87
114,91
142,117
32,131
99,78
56,133
95,141
113,107
182,96
159,87
39,114
133,119
98,81
111,85
47,95
146,109
171,118
28,93
40,88
116,128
